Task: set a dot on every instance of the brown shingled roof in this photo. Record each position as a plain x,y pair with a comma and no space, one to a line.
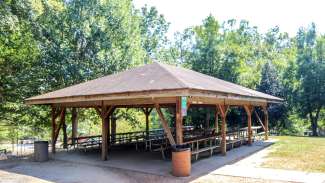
153,77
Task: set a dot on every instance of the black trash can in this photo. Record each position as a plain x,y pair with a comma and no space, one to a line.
41,152
181,160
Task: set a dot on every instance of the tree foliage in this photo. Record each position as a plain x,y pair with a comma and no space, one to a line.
47,45
50,44
311,74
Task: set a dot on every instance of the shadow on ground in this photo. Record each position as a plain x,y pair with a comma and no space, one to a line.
125,165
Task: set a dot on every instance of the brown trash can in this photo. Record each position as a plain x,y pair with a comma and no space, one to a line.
181,161
41,152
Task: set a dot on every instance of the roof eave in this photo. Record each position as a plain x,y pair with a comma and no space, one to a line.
149,94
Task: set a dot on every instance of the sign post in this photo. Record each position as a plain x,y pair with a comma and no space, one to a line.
184,106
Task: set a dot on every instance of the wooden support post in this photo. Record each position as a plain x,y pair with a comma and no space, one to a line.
216,124
104,113
179,121
108,134
105,130
74,121
223,109
266,122
64,129
147,112
53,113
165,125
207,121
55,130
259,120
249,110
113,129
147,124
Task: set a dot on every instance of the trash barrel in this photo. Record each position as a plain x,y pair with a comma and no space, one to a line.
41,152
181,160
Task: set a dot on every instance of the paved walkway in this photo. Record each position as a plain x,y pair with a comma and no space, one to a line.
250,167
270,174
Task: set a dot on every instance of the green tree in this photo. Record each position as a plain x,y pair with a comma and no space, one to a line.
19,54
153,28
270,84
205,55
311,74
82,40
240,53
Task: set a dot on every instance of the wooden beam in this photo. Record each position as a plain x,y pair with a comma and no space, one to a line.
109,111
188,105
105,130
179,121
105,113
249,109
165,125
57,112
147,123
207,119
147,112
99,111
223,109
259,119
216,122
64,130
150,110
127,96
196,98
53,122
266,122
56,128
62,120
74,121
113,129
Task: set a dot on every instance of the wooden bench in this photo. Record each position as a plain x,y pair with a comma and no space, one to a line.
234,139
161,149
85,142
155,141
209,145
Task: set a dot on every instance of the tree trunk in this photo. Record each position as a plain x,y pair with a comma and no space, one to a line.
314,125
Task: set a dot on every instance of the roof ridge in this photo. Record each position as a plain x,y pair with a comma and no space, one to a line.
179,81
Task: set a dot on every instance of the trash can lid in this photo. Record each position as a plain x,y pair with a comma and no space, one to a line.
40,142
180,147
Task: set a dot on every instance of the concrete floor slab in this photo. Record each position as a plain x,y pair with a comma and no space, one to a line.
148,162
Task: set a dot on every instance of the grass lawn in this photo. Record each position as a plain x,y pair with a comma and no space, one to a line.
297,153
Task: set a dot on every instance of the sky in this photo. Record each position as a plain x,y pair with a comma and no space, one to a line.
289,15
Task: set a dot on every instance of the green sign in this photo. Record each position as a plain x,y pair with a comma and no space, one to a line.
184,106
